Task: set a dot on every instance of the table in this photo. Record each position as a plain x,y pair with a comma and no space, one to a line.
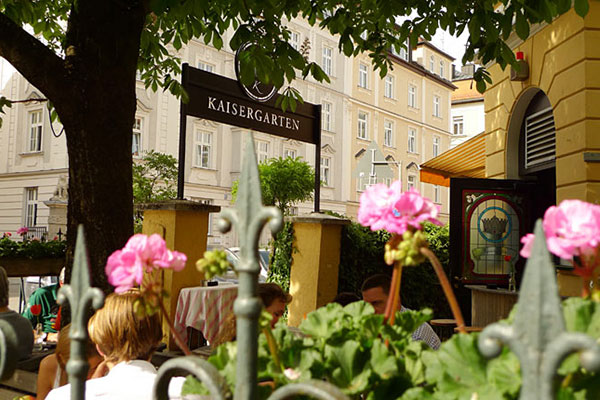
490,305
204,308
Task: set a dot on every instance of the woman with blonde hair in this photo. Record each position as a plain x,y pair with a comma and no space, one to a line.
126,341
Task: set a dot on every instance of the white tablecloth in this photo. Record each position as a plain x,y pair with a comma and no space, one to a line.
204,308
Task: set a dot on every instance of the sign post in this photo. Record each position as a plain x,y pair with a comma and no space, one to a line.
217,98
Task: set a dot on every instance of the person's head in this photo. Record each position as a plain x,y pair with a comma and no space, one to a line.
120,334
274,300
345,298
63,351
375,291
3,288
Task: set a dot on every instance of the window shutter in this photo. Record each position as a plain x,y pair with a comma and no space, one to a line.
540,138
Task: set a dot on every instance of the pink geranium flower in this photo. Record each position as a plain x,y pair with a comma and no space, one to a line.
22,231
572,230
125,268
376,205
395,211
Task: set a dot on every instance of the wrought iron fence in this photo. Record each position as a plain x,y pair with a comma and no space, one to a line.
537,336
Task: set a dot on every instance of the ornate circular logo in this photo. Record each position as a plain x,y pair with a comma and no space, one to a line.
258,91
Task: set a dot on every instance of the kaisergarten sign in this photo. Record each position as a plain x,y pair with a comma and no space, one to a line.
218,98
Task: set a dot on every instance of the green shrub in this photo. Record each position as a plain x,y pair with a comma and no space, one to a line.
362,256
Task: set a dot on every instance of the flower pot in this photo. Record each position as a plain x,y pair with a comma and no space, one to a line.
32,267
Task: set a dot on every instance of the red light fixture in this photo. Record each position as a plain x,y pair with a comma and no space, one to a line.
522,72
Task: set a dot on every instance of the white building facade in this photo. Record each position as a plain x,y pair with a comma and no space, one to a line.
407,116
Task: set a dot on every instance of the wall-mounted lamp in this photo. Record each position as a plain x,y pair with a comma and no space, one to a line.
522,72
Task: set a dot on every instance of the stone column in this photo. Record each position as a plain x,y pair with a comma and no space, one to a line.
57,218
184,226
315,264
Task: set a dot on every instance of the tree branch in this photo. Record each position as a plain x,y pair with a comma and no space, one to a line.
35,61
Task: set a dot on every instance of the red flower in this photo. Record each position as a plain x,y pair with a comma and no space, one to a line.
507,258
36,309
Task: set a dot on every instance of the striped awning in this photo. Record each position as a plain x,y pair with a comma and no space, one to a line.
466,160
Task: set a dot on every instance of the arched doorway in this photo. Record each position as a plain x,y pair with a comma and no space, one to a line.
531,149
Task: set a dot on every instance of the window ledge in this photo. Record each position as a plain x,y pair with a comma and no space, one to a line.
31,153
363,139
204,168
390,99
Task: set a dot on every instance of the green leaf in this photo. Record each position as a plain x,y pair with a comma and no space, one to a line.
351,375
582,7
480,85
382,361
522,26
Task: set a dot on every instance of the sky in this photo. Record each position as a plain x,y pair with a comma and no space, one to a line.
443,40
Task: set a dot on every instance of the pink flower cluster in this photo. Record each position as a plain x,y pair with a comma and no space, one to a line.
22,231
572,230
125,268
389,208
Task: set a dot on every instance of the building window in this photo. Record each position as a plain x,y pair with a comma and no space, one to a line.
136,140
363,76
412,140
326,171
436,194
436,146
327,60
206,67
403,52
295,40
388,181
31,205
458,124
432,64
289,153
326,116
412,182
389,87
442,67
388,133
412,96
203,148
35,131
362,126
262,151
436,106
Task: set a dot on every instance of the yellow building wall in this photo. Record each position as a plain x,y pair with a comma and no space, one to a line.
563,58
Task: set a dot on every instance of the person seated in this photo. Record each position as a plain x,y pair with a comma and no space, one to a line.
52,371
126,342
345,298
375,291
21,328
274,300
46,298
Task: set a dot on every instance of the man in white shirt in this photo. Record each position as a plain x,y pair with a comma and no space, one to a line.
375,291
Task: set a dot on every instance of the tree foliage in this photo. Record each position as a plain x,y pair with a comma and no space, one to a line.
154,177
84,54
284,182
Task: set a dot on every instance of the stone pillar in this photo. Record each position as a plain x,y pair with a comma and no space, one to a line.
57,218
184,226
57,209
315,264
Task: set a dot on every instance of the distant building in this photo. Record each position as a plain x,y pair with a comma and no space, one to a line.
405,116
468,114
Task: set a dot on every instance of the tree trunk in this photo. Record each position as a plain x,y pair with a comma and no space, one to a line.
101,60
92,86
